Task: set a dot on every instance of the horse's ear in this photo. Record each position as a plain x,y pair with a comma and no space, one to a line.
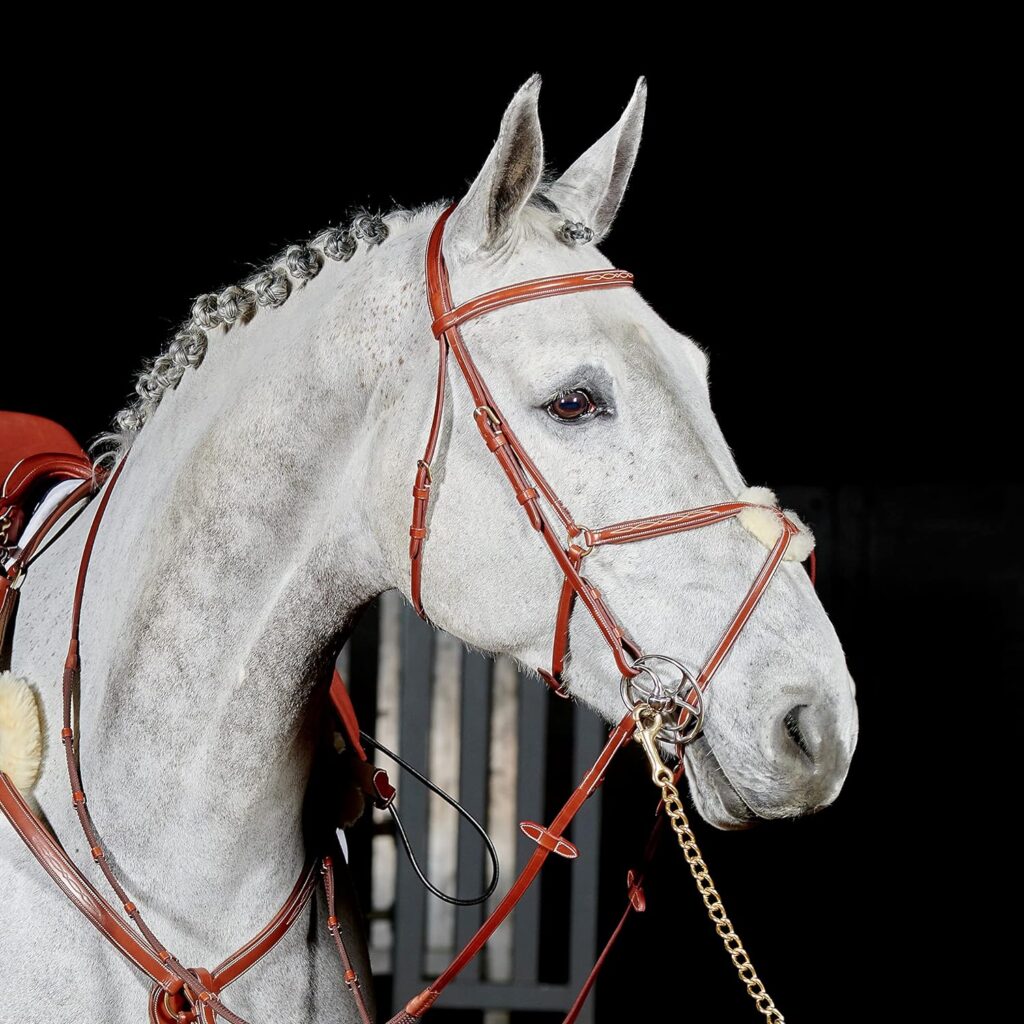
591,190
487,213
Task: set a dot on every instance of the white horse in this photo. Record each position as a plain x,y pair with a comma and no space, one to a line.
266,501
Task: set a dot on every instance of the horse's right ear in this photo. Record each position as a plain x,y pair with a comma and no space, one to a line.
487,215
592,188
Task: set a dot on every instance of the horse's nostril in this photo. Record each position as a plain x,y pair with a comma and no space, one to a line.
792,721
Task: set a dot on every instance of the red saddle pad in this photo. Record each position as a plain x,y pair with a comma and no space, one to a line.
22,435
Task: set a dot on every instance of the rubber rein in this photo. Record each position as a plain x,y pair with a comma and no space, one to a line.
659,713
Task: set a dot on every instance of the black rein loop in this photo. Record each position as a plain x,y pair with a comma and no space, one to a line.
462,812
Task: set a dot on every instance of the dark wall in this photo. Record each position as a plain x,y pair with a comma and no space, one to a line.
808,221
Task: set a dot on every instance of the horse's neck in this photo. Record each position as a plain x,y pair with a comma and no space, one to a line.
232,556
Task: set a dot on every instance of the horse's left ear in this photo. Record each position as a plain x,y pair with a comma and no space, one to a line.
591,190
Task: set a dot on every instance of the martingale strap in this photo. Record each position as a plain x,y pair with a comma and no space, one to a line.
179,995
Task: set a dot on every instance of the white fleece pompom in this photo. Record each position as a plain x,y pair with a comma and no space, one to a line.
21,734
765,525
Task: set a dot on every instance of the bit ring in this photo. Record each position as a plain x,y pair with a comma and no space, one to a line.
669,702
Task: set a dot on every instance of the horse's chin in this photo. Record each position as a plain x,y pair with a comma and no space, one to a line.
714,796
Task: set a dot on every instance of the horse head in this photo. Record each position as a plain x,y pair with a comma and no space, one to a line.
613,405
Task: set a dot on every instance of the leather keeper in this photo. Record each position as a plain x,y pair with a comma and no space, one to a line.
558,686
418,1005
375,785
383,792
544,837
636,892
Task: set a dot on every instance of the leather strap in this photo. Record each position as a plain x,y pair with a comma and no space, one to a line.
537,288
419,1004
164,1005
636,902
15,560
77,887
342,702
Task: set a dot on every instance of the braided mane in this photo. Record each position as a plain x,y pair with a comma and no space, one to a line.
268,286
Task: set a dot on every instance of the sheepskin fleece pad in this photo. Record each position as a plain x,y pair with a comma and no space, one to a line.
21,734
765,526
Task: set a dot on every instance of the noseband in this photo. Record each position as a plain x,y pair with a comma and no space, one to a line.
680,704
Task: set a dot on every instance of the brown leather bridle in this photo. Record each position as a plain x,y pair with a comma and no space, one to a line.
182,995
529,485
682,702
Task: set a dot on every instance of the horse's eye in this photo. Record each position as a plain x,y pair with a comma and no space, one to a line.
571,405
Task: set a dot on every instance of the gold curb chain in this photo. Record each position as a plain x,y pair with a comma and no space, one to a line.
649,723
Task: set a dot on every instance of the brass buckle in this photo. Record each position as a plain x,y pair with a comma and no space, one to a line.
582,531
491,415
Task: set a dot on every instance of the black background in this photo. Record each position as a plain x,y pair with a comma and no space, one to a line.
830,210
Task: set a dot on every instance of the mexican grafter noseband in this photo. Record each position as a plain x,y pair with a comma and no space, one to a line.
680,702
